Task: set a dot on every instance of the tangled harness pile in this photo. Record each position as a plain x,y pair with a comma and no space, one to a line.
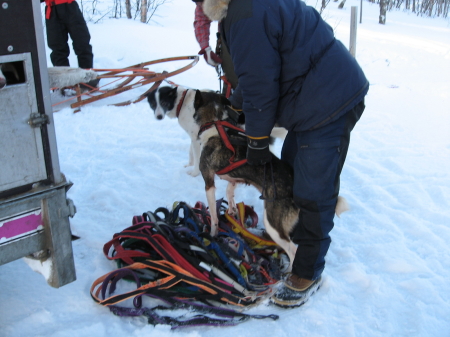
176,264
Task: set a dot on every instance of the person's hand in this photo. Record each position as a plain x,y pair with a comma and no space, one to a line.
258,152
210,57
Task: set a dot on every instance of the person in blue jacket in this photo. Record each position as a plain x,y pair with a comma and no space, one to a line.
293,71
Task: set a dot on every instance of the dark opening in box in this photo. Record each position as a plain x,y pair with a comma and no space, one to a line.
14,72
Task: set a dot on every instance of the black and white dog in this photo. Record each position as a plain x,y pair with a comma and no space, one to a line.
274,181
178,102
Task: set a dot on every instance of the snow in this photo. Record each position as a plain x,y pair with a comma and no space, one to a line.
388,269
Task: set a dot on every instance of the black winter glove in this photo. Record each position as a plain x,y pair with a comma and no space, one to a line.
258,152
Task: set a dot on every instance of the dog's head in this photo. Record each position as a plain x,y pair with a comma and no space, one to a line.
210,106
162,100
2,78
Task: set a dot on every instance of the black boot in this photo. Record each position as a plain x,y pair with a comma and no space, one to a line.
89,86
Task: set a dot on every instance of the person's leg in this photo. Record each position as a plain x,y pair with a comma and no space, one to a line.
57,36
318,165
318,161
79,33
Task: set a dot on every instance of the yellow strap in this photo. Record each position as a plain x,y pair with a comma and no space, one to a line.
264,137
253,240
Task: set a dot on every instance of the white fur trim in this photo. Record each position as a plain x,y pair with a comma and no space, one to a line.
215,10
60,77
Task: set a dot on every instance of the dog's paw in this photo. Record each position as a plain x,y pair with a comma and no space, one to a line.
341,206
193,173
232,210
188,164
214,230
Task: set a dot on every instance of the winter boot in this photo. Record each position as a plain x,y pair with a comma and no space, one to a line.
295,291
89,86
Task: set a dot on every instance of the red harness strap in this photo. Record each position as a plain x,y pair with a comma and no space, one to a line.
51,3
228,84
224,136
180,104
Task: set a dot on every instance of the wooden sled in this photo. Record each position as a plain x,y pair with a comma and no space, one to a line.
131,77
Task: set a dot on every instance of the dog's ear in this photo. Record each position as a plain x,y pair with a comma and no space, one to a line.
173,92
151,93
198,101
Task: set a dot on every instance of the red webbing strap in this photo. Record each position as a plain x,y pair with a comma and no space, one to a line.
138,219
205,127
180,104
223,134
229,125
121,253
127,255
179,259
158,242
232,166
249,212
202,212
225,80
51,3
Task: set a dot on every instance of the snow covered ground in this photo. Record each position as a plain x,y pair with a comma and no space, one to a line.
388,268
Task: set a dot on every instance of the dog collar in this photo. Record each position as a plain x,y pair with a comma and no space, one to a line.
180,104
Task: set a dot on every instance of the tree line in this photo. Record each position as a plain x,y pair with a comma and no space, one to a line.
430,8
144,10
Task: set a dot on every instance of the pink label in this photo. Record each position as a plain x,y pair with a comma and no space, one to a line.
20,225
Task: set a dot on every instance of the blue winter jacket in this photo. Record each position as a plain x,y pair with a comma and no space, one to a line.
291,68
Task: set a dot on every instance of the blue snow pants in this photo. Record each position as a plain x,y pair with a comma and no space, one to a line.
317,157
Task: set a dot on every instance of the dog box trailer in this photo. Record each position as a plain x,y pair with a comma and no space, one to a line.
34,210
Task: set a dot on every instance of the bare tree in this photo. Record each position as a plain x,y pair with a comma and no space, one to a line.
430,8
144,10
324,5
128,8
383,8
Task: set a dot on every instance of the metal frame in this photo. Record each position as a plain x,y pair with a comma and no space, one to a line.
44,200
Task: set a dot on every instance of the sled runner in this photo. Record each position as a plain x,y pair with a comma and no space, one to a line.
128,78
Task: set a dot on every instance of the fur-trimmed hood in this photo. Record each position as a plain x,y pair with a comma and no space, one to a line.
215,10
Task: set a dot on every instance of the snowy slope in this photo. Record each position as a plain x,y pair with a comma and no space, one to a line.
388,268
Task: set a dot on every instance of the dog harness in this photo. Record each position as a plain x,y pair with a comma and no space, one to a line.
180,104
220,126
51,3
173,259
